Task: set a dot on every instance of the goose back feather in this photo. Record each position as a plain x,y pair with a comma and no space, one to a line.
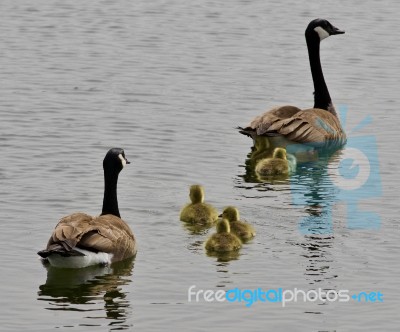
308,126
106,233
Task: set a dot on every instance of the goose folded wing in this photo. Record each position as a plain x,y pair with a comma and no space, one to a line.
111,235
308,127
262,124
69,231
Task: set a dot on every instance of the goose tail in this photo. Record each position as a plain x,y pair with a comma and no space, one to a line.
58,249
246,131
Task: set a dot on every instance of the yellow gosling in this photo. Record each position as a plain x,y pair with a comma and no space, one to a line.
241,229
279,164
197,212
223,240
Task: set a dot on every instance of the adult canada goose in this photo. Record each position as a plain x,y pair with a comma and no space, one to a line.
223,240
281,163
198,212
318,126
80,240
241,229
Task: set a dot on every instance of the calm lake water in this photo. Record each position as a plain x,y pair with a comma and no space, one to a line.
169,81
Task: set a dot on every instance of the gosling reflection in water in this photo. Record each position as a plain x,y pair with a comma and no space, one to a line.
65,289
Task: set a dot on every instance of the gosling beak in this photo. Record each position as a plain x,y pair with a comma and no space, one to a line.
220,216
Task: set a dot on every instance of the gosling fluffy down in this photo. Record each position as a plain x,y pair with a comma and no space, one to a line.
197,212
241,229
223,240
280,163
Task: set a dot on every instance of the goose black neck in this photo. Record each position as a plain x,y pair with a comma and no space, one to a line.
110,201
322,99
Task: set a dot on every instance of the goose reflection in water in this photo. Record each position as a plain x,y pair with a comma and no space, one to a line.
310,187
318,258
314,189
83,289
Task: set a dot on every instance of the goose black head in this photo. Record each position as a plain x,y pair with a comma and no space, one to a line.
115,160
322,29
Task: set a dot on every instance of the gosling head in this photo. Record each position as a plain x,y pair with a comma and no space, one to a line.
223,226
196,194
321,29
279,153
115,160
231,213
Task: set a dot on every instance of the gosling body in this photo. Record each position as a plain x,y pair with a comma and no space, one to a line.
241,229
198,212
223,240
279,164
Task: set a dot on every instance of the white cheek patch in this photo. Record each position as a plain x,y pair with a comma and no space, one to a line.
322,33
123,161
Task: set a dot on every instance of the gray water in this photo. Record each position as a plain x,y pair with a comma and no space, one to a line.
169,81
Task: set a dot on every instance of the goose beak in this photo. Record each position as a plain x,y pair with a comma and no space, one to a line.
336,31
127,161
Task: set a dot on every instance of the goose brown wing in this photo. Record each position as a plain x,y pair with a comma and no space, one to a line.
261,124
111,235
106,233
310,126
69,231
303,126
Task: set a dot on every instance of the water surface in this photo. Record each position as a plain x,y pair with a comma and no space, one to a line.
169,81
